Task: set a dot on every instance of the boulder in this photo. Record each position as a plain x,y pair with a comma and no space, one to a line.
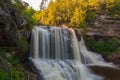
108,73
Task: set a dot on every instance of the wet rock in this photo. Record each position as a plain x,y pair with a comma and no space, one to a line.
79,33
30,71
108,73
115,58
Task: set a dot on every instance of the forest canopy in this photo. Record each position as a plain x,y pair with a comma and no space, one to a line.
75,13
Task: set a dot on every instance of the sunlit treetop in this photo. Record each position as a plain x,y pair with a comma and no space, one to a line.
73,12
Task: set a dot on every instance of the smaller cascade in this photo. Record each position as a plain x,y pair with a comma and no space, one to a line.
88,57
91,58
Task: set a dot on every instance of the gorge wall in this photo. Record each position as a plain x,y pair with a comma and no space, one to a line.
104,26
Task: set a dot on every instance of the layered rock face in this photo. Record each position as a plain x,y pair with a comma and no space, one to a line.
104,26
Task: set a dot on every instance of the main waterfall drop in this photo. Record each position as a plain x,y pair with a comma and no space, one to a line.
56,54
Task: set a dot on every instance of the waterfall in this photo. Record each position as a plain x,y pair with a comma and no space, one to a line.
91,58
54,43
57,55
88,57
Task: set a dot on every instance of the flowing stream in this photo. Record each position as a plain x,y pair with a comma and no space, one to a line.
57,55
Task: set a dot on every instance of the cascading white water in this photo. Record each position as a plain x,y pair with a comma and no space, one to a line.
54,43
63,70
56,55
88,57
91,58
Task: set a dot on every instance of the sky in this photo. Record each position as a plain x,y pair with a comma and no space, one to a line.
35,4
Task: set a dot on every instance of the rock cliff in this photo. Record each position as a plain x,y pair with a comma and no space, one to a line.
104,26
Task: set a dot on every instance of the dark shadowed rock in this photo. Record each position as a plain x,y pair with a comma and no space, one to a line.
107,72
79,33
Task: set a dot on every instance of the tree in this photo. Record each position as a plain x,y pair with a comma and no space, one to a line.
26,11
73,13
59,12
114,8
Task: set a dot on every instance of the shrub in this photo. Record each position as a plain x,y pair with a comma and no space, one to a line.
90,16
23,45
114,9
105,47
10,68
3,75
